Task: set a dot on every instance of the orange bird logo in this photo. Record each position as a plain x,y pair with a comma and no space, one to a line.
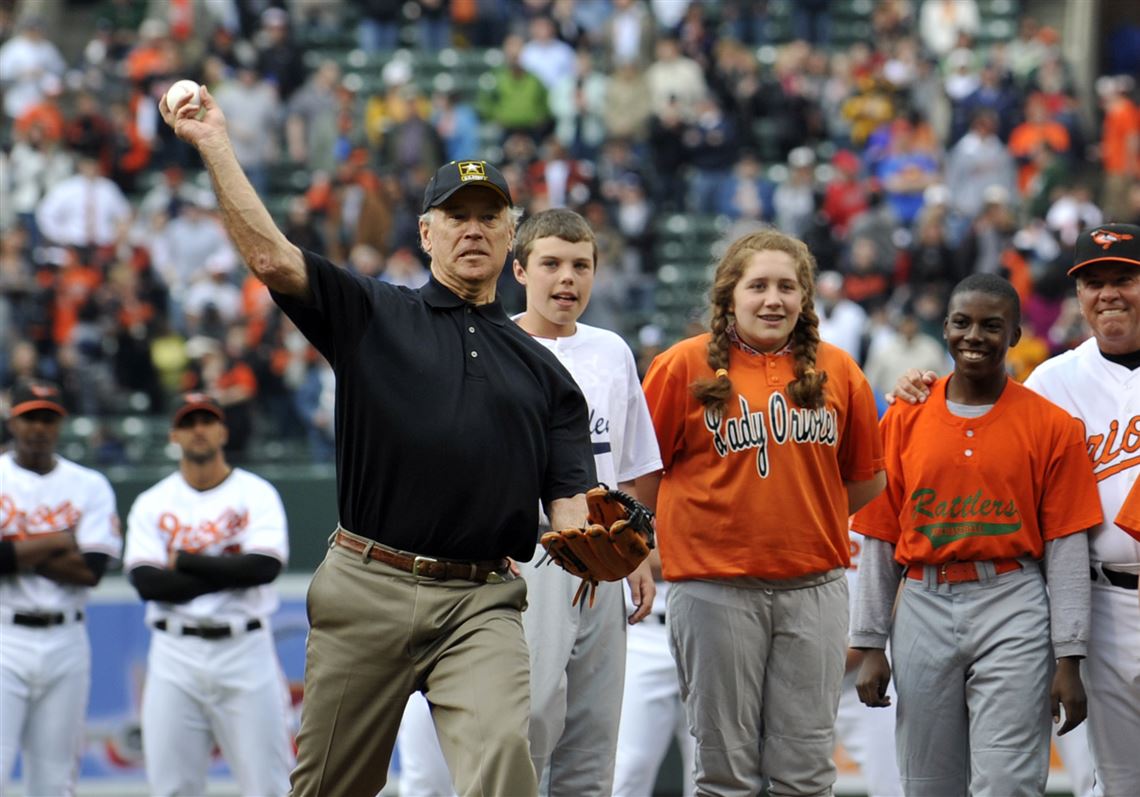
1106,238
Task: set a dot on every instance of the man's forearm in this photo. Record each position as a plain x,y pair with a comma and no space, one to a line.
68,568
265,249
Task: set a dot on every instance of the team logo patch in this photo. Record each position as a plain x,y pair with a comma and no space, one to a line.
1106,238
471,170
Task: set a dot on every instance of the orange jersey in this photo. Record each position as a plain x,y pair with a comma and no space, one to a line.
972,489
760,491
1129,517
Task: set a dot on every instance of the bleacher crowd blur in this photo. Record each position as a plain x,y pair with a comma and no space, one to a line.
909,142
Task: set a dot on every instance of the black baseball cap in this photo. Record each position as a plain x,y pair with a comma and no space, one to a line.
36,394
1107,242
455,175
198,402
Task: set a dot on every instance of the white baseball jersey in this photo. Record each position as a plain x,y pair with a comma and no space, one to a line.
243,514
625,445
1106,398
69,496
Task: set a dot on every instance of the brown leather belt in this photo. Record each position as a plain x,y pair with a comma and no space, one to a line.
426,566
958,572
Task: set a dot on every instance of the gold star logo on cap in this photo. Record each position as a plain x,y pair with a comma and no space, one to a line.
472,170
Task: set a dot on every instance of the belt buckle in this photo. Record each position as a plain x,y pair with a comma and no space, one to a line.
942,576
417,561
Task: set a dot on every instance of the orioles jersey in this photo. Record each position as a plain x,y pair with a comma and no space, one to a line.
241,515
1105,398
1129,516
972,489
758,490
69,496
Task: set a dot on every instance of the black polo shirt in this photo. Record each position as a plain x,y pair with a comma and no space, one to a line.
451,423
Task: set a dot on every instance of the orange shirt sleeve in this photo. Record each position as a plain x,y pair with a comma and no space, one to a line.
880,517
1129,517
861,445
1071,501
662,386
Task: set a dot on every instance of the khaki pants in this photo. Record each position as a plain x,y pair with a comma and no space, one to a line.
761,669
376,635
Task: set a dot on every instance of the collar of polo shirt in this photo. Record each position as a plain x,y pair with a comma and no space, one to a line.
437,295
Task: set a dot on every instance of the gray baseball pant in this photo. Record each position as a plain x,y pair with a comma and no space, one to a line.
577,674
972,665
761,669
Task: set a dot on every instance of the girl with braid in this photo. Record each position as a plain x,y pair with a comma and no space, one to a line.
769,440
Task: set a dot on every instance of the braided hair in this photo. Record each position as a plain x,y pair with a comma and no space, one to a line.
806,390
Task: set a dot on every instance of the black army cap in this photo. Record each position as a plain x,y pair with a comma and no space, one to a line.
457,174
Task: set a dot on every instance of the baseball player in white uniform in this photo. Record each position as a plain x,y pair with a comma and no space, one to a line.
651,710
203,546
1099,384
58,530
867,734
577,653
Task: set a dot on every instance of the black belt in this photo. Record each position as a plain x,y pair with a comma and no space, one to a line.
205,631
1116,578
45,619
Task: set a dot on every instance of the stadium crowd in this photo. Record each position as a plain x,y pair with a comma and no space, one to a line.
907,155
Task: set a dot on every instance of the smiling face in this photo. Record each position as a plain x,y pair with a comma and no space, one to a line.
558,277
979,329
1109,295
468,238
767,300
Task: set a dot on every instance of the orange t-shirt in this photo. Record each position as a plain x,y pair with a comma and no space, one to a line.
759,492
973,489
1121,126
1129,516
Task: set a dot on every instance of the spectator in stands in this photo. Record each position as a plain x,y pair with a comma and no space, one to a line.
845,196
216,293
842,322
979,161
545,55
252,110
412,145
811,21
379,27
906,172
795,197
990,235
405,268
314,401
666,143
36,165
184,244
24,61
1028,138
905,346
628,35
712,147
279,59
627,108
433,25
674,80
311,119
941,23
747,193
933,264
517,102
1026,52
578,102
962,77
868,274
85,210
457,125
992,94
46,112
1073,210
1120,144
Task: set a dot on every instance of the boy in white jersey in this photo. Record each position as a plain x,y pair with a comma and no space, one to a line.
577,654
203,548
58,530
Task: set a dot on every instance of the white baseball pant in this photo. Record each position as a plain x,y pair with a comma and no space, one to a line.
45,675
868,736
231,691
423,769
650,707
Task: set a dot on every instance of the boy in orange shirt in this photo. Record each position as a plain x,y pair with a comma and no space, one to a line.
983,481
769,441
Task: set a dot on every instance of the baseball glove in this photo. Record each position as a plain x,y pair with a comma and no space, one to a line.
617,538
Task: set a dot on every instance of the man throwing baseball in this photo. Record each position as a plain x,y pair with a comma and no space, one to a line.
451,426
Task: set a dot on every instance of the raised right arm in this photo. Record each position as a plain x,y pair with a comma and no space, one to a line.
265,249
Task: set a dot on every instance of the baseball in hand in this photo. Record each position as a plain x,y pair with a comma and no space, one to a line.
180,89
